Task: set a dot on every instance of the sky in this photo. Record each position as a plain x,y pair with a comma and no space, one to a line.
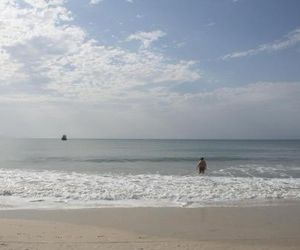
194,69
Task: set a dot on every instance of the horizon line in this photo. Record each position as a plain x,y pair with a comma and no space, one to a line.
191,139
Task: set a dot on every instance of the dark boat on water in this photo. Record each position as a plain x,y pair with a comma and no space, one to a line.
64,138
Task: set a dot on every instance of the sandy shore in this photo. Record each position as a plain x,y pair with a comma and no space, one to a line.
268,227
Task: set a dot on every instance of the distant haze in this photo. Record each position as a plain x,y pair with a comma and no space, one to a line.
150,69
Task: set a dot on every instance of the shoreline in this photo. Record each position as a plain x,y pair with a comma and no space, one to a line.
37,205
268,227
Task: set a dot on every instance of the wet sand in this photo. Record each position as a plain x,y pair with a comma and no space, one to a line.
265,227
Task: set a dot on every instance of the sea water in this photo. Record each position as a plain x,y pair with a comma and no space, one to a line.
78,173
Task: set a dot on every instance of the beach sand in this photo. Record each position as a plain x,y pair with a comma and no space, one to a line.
264,227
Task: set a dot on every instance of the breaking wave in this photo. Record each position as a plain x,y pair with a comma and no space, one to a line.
26,188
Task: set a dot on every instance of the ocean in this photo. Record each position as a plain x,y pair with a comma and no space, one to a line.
90,173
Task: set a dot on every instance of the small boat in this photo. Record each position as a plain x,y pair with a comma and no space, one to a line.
64,138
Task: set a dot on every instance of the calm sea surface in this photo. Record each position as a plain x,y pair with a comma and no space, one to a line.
49,173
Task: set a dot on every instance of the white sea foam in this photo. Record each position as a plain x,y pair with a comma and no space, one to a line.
49,189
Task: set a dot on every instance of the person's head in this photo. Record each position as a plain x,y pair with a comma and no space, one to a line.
202,159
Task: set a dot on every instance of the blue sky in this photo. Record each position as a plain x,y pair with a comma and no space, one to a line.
150,69
205,31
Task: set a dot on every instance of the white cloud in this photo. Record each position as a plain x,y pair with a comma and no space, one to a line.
11,71
54,77
291,39
210,24
95,1
44,3
42,52
19,25
146,38
259,110
252,94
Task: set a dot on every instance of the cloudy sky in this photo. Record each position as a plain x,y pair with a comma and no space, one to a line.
150,69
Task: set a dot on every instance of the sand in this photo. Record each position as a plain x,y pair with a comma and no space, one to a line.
265,227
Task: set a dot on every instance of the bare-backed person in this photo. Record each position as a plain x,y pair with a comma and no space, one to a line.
202,166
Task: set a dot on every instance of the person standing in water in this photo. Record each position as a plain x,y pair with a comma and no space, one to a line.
202,166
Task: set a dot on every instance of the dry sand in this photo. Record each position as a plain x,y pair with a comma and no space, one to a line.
267,227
